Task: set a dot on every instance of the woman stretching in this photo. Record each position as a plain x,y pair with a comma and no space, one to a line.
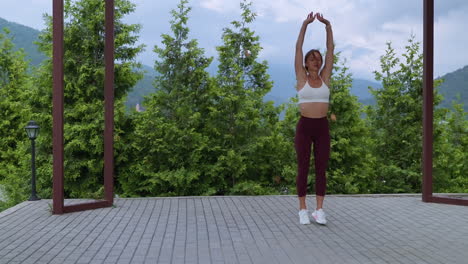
313,93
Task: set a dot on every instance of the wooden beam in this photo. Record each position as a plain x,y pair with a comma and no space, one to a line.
57,106
428,98
109,104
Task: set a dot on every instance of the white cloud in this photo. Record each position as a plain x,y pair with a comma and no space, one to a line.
284,10
363,66
268,51
367,25
220,6
450,52
403,26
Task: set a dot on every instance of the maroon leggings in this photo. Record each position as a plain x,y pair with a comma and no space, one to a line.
310,130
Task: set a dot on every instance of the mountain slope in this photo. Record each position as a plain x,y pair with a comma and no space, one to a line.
455,83
142,88
24,37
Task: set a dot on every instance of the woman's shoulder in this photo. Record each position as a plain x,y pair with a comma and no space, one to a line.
300,85
300,82
325,79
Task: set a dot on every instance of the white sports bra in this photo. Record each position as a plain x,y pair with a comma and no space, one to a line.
309,94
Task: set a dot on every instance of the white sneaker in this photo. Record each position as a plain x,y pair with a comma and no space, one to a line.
304,217
319,216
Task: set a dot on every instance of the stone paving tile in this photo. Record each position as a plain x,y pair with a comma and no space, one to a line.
237,229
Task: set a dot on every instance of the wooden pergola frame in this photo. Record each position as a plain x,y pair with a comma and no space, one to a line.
428,110
58,188
57,113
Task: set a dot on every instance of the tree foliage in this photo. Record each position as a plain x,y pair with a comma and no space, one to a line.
84,95
243,125
351,163
451,152
202,134
168,143
14,114
396,120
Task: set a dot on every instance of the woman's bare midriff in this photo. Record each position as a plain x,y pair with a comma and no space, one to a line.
314,109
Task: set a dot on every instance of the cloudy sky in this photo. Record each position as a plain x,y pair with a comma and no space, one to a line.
361,27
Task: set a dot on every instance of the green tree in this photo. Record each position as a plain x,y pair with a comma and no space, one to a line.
169,146
243,125
350,167
396,120
14,114
451,153
84,95
287,129
203,135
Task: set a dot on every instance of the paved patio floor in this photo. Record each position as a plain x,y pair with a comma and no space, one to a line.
238,229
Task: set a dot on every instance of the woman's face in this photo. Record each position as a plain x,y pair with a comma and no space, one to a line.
314,61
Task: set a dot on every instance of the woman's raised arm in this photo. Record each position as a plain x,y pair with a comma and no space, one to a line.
328,67
298,64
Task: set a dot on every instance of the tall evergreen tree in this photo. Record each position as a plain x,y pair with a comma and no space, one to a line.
84,95
350,167
201,135
169,143
396,120
242,122
14,115
451,152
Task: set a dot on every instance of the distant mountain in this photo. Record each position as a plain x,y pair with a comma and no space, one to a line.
24,37
455,83
142,88
360,89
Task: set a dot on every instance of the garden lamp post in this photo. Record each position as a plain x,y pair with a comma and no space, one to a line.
32,129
